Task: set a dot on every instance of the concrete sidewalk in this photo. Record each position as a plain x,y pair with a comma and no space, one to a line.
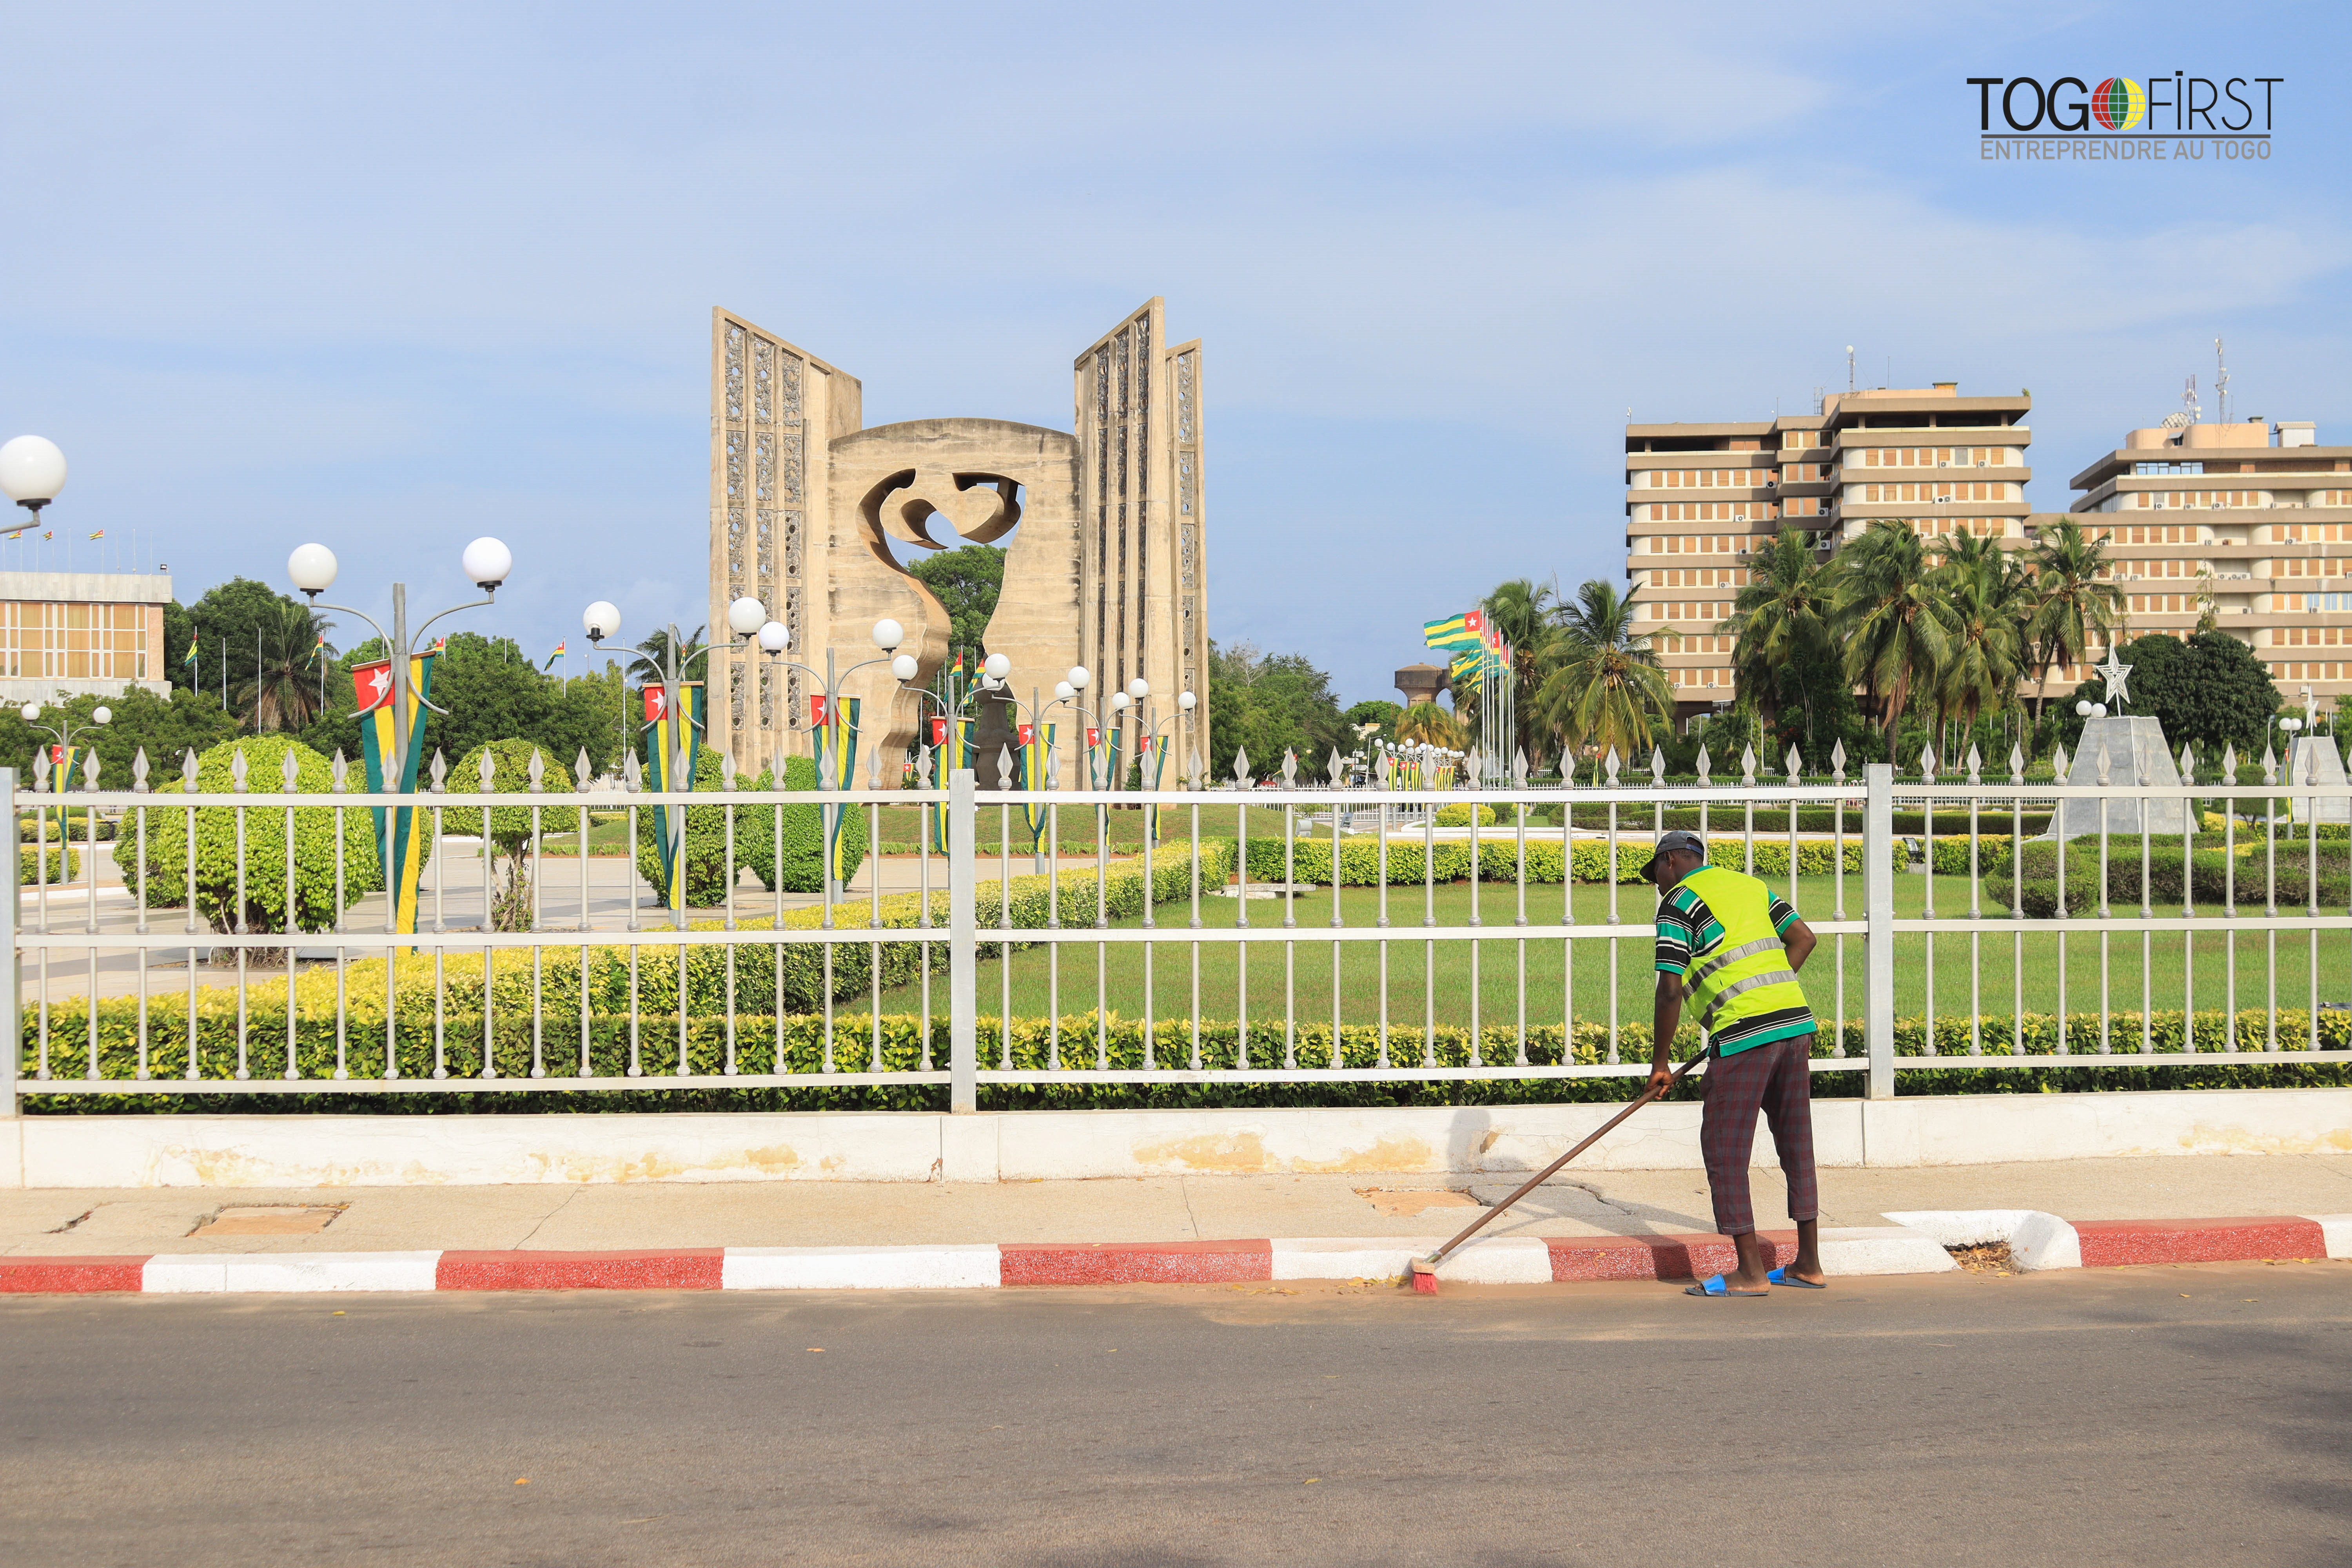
59,1222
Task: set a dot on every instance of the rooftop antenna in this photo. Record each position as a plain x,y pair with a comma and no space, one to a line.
1817,400
2189,400
1849,369
2221,384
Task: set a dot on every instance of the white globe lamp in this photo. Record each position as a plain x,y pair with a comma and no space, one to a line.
312,568
487,562
1078,678
1186,701
2082,709
775,636
104,716
1139,688
746,617
998,665
1118,701
32,471
887,635
904,666
601,620
1064,692
31,710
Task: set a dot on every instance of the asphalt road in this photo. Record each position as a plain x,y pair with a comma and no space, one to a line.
2147,1416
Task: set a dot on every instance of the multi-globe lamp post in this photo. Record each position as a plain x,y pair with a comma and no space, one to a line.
66,732
485,564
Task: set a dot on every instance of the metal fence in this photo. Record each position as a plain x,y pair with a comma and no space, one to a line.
1297,935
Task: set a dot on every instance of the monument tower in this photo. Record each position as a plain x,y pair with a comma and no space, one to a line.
1106,565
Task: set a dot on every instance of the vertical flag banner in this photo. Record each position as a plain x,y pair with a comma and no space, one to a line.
63,761
664,735
1102,757
399,841
836,726
948,757
1032,765
1155,762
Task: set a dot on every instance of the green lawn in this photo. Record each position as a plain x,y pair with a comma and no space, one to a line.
1303,971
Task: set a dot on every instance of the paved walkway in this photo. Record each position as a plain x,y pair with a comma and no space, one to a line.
57,1221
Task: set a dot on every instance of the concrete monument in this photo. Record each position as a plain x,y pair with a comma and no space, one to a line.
1106,565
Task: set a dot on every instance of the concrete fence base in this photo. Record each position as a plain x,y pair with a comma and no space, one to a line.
899,1146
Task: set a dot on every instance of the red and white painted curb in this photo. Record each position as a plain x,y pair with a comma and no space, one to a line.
1917,1245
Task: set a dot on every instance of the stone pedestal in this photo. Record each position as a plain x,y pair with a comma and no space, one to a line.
2136,750
2313,759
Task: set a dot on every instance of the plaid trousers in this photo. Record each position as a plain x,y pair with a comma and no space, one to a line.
1776,1079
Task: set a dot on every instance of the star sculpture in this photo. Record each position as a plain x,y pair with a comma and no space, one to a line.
2115,672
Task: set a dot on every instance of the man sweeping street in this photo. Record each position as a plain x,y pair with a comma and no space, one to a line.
1726,944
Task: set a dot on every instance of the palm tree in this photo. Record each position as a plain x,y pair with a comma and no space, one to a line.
1780,618
288,690
1894,626
1526,614
1427,724
1605,685
1987,595
2073,608
652,662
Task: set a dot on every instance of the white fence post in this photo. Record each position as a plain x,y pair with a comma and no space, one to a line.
964,944
1878,940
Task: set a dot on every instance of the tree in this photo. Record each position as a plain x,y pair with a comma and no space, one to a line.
1525,615
1267,704
1375,710
2209,691
288,687
2075,608
1780,617
490,691
1893,624
233,622
1985,654
179,636
1606,685
966,582
189,721
509,825
1427,724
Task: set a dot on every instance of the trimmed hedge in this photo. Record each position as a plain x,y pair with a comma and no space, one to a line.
1498,859
57,866
1459,815
1073,1042
2208,873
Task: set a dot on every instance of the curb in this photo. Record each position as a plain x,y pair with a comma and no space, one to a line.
1916,1245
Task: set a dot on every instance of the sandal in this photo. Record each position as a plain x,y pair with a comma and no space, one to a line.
1781,1276
1715,1286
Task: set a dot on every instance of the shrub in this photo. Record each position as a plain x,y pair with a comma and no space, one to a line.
801,869
1459,815
62,864
61,822
263,906
509,827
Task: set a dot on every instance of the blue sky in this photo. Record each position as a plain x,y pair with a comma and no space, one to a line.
393,278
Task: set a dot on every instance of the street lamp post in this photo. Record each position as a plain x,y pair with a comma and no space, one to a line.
485,562
32,473
64,729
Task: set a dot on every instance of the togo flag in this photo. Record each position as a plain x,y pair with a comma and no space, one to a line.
1467,630
1154,759
399,840
63,761
836,766
1033,763
945,757
664,735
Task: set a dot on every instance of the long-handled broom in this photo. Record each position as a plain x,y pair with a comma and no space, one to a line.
1424,1270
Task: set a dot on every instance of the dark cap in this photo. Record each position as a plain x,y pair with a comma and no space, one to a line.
1672,841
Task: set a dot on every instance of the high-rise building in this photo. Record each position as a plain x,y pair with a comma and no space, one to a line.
1700,497
2247,522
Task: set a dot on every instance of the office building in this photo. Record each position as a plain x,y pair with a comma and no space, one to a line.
1699,497
68,633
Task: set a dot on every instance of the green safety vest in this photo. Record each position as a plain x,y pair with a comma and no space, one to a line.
1744,972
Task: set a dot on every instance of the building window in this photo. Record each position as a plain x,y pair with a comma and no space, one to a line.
43,641
2209,499
2168,467
1929,457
